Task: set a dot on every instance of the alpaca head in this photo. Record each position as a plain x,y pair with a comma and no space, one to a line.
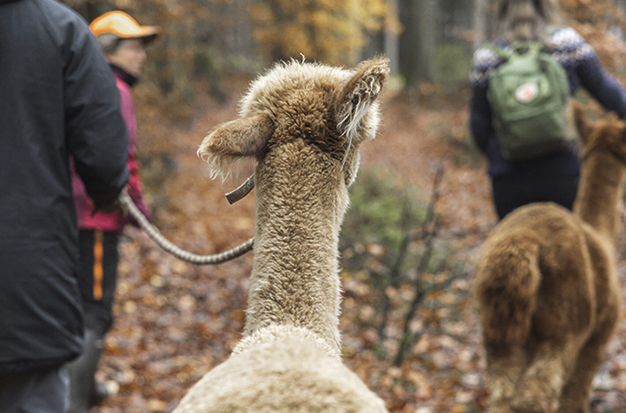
606,135
330,109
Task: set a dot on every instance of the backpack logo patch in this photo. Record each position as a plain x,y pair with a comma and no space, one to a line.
526,92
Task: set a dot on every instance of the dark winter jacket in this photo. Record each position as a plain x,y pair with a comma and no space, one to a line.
583,69
57,100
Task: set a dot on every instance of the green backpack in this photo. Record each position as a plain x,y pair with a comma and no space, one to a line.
528,94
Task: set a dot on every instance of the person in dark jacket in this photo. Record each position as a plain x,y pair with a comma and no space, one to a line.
57,100
553,177
123,40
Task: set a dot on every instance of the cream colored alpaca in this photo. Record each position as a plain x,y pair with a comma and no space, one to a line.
548,288
304,124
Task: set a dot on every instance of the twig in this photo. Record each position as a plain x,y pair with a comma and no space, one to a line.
394,277
424,260
394,274
450,234
407,340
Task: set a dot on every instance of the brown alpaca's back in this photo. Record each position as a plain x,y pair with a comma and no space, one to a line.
548,292
519,266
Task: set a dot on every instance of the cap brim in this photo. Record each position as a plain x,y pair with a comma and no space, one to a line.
146,33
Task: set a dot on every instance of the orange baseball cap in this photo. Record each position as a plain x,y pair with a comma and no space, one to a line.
122,25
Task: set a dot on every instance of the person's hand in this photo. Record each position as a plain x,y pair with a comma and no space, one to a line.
106,208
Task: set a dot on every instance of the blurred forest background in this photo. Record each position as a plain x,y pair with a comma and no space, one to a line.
420,207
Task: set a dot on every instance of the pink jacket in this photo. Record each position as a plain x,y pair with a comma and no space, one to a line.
115,221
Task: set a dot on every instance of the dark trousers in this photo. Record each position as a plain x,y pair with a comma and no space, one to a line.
510,192
98,278
37,391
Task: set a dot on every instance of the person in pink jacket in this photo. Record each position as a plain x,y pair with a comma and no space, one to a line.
123,41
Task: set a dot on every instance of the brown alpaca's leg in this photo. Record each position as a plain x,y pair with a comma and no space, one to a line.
539,388
504,367
575,397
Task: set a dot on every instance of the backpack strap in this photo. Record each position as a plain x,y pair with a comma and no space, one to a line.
546,35
499,51
520,46
524,46
544,42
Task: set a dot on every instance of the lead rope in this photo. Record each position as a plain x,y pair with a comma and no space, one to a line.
129,206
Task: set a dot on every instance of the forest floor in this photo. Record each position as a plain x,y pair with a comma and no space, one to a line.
175,321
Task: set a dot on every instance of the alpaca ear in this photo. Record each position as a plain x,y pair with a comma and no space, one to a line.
233,141
357,95
583,126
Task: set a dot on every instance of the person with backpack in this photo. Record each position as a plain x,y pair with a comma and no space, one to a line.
521,84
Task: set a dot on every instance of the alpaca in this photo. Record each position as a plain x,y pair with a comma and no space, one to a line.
547,286
304,124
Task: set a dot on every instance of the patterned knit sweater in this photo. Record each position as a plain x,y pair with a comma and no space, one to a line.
583,69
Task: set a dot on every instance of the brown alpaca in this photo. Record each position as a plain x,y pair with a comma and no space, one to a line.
304,124
547,286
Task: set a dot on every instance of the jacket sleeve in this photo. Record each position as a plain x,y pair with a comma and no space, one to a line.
480,117
601,85
135,184
481,126
95,131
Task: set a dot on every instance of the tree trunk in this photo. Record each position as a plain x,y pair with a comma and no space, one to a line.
418,40
391,41
480,22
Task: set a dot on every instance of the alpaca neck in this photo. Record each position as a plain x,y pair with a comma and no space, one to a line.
295,277
597,201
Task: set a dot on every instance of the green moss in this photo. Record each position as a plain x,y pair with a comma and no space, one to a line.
381,212
453,62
